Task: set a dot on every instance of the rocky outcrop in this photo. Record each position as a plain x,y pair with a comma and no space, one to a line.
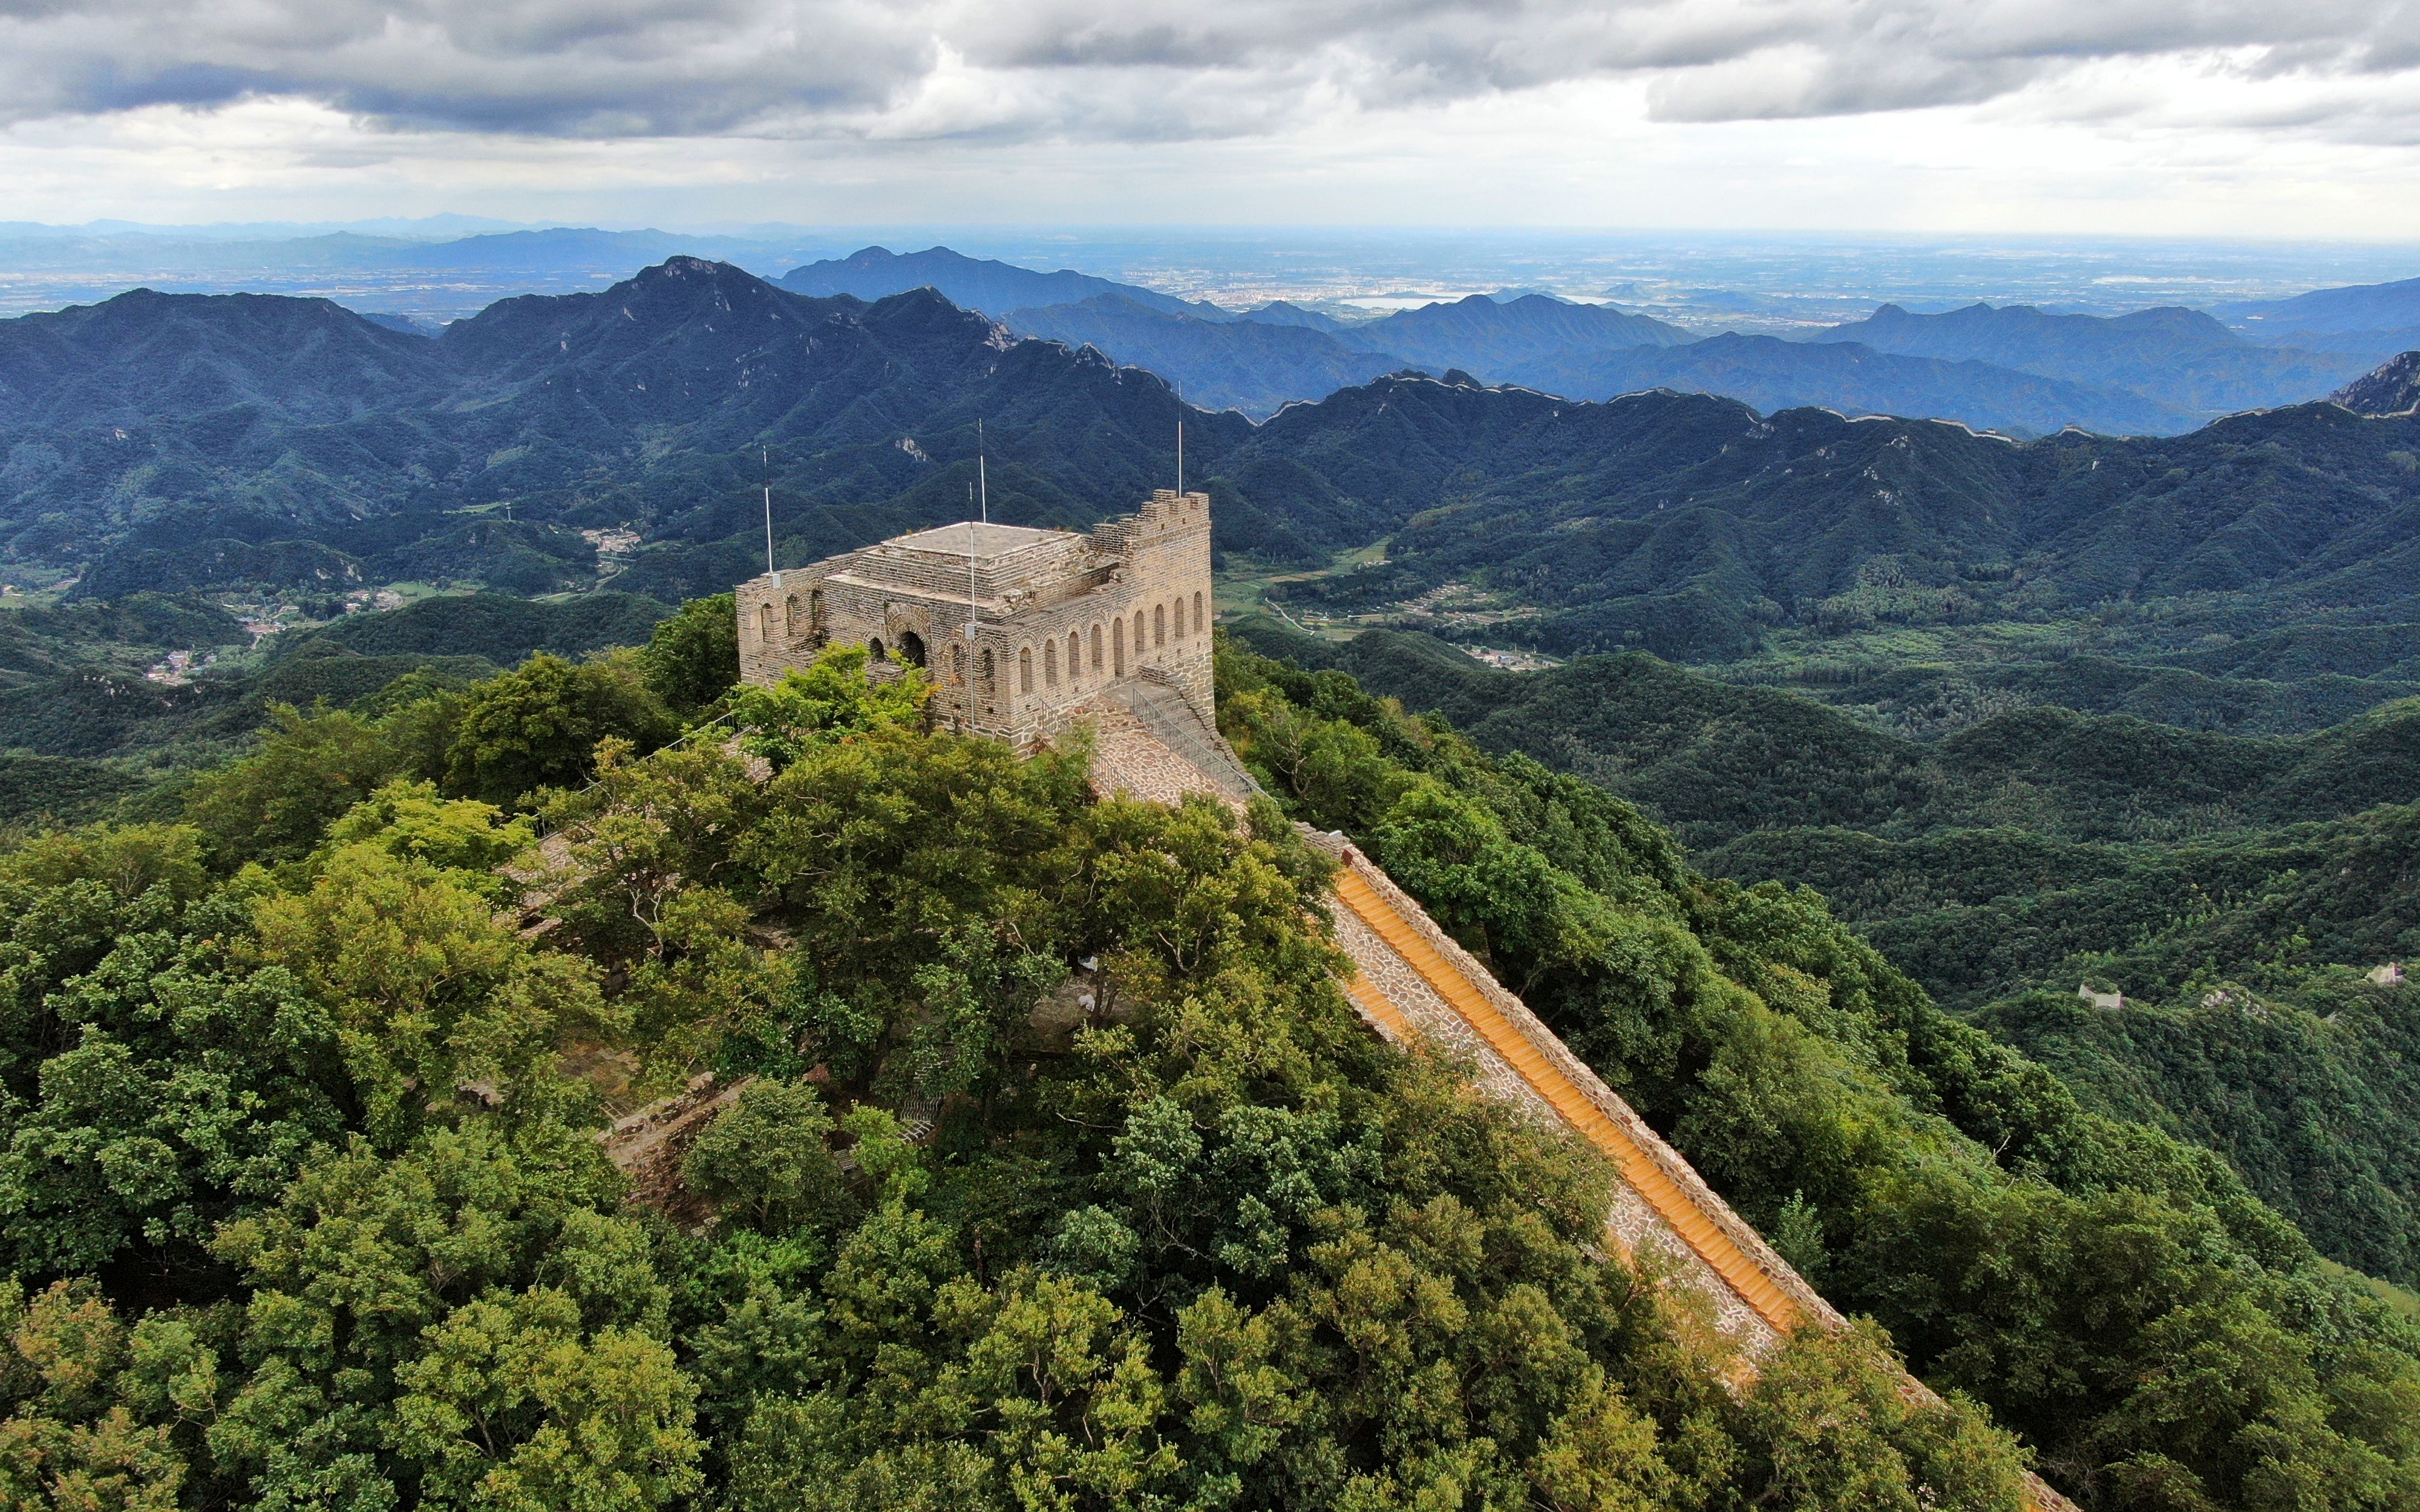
2392,388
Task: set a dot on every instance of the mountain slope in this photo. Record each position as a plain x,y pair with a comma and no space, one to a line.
1714,762
1232,364
1492,338
1681,523
985,284
2356,307
2365,320
1771,374
2181,358
144,357
1282,312
1584,350
633,408
2392,388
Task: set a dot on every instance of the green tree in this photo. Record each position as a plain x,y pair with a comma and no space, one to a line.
410,820
512,1405
693,659
768,1159
830,698
309,770
438,1008
538,727
129,860
194,1088
354,1275
94,1410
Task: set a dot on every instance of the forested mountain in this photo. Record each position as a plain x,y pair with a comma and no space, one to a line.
2182,359
1492,337
1714,762
67,695
647,408
1685,524
1256,361
143,358
2017,369
1228,365
1282,312
1768,373
1691,527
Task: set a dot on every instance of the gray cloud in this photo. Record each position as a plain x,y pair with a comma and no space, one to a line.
1134,69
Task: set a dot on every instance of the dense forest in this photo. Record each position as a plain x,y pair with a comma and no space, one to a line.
2238,893
1060,1175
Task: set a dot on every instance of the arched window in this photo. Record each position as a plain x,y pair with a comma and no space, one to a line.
1199,623
815,610
911,649
1160,624
1025,670
1074,658
985,667
1097,648
1118,645
1176,615
1139,641
790,616
1051,664
874,648
765,622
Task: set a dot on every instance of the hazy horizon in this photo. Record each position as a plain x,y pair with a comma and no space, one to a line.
1760,280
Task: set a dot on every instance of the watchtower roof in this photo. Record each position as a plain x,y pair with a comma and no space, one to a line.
982,564
982,542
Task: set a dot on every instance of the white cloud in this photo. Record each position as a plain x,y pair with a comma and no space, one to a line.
1121,69
2186,116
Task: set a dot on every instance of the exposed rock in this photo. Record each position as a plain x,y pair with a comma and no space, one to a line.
2392,388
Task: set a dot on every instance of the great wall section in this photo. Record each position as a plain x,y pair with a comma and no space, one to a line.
1413,983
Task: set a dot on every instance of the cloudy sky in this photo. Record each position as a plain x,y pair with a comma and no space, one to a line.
2194,118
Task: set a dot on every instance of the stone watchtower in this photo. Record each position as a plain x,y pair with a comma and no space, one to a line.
1021,630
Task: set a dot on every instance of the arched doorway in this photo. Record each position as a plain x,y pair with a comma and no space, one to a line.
911,649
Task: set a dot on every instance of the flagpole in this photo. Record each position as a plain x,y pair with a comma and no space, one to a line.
765,456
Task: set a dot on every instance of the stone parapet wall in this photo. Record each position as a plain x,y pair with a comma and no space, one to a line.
1668,1207
1413,979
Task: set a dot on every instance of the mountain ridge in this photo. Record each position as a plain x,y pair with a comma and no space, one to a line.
987,283
2183,358
656,407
